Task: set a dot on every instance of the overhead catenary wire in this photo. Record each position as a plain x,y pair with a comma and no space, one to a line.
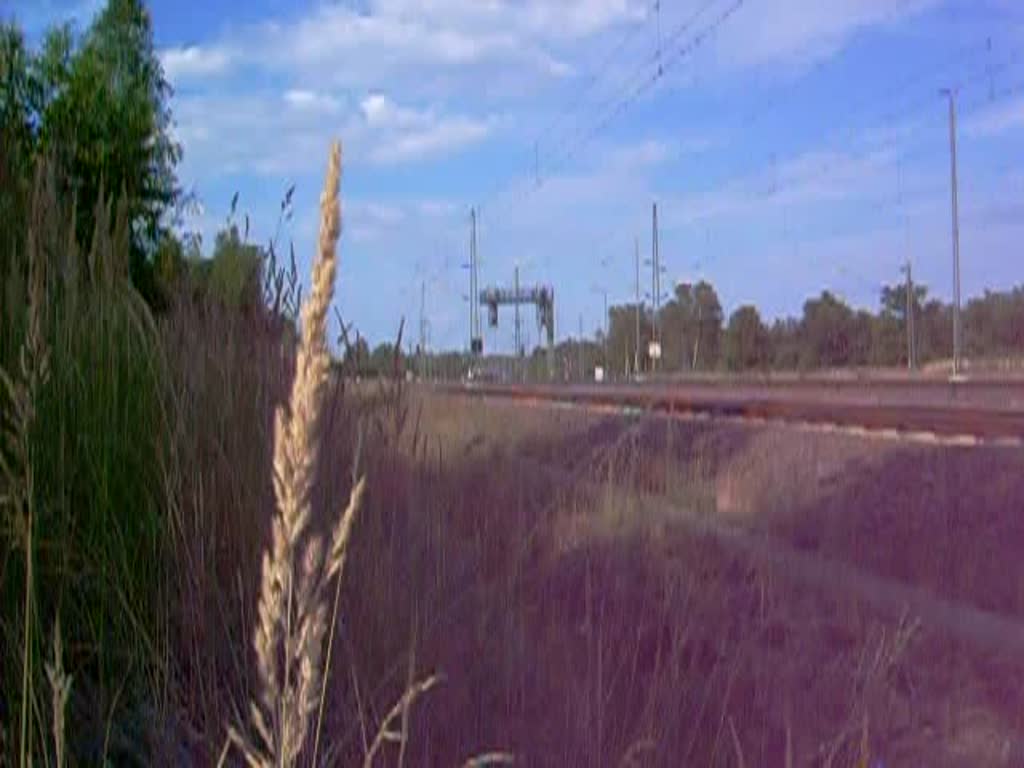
646,82
827,166
641,85
901,110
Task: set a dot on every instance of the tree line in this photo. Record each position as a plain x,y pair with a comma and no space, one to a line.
696,335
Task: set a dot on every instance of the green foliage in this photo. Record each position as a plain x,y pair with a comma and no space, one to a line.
785,345
622,345
994,324
691,328
98,107
746,340
235,271
382,359
828,334
357,356
577,358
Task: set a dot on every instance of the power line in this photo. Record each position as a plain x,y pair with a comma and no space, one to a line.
615,107
851,125
830,165
645,83
598,73
649,73
641,80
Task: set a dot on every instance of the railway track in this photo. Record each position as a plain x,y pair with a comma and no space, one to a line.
947,414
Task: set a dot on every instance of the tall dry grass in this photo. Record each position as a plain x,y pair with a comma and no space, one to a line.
82,423
292,611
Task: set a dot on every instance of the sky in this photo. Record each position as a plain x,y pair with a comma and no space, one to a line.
790,145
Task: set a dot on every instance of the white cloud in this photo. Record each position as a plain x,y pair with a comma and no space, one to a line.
550,19
381,213
645,154
409,134
194,61
424,40
798,33
369,221
436,208
651,153
443,136
312,101
381,111
995,120
811,178
284,134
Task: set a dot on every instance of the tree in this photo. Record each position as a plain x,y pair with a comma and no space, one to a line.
357,356
889,327
860,336
236,271
382,359
16,135
936,331
577,358
784,344
691,328
746,340
994,324
99,107
888,341
828,333
622,348
16,149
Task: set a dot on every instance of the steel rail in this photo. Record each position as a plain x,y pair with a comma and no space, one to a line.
953,419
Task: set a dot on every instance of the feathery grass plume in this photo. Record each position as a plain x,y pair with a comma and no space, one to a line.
60,691
292,615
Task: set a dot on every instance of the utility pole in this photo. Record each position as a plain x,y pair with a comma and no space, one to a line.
474,312
423,329
605,334
950,93
911,352
519,348
582,372
636,349
696,341
655,282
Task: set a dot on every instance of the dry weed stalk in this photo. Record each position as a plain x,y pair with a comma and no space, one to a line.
387,732
60,691
292,611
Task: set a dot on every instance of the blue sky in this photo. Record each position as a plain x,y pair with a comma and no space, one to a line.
791,145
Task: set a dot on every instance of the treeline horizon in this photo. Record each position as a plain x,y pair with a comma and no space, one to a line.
697,336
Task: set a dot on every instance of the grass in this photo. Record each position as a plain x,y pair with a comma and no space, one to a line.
196,485
85,479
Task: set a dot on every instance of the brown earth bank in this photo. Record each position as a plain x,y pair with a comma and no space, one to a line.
576,627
